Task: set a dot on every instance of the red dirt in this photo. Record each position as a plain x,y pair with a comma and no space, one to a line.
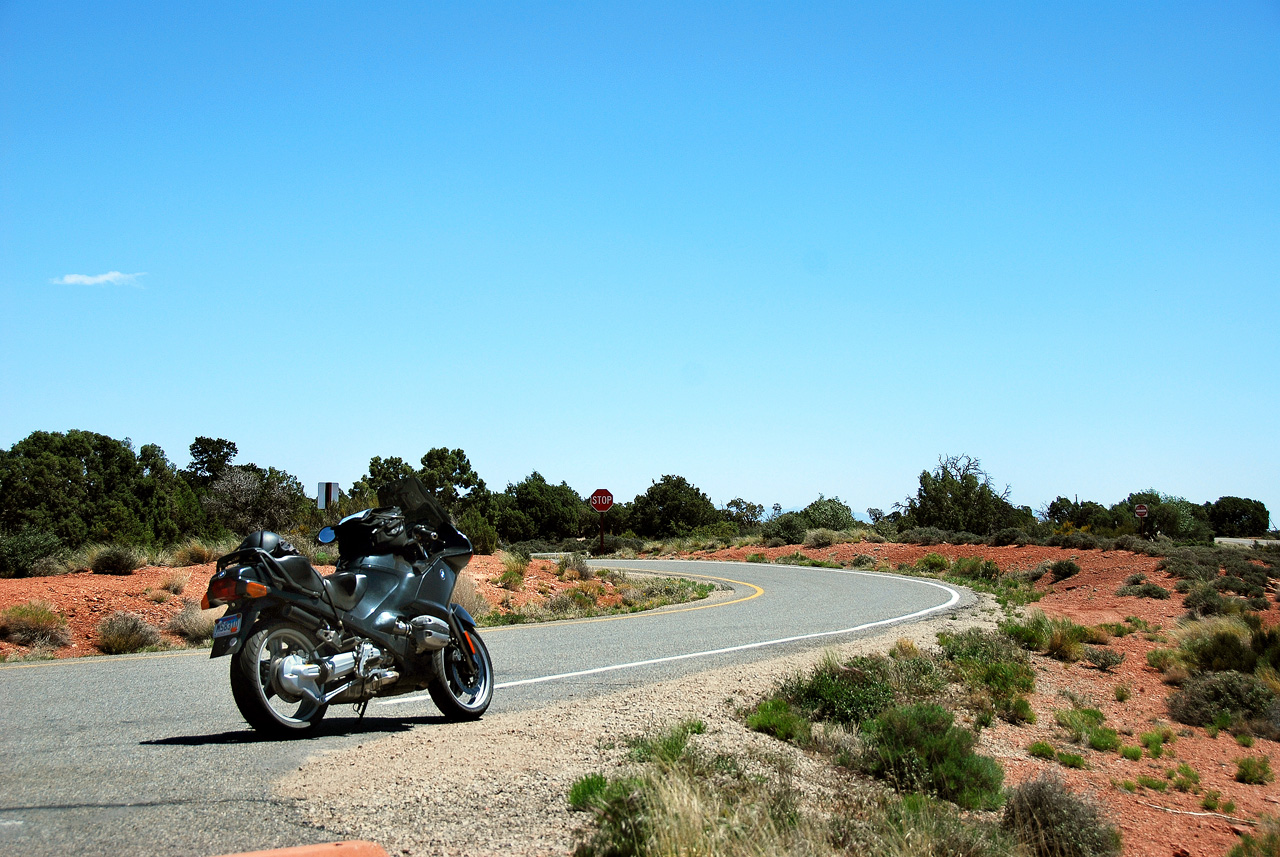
1088,598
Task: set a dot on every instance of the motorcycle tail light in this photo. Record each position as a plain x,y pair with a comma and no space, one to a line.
221,591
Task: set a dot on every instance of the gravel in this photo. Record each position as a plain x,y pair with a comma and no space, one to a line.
498,786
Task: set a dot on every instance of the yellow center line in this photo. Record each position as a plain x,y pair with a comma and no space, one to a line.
645,614
488,630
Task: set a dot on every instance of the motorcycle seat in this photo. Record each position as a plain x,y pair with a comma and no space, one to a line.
301,573
345,588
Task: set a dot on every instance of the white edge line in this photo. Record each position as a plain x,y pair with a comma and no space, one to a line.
955,596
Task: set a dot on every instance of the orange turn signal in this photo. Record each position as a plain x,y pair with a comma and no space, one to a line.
254,590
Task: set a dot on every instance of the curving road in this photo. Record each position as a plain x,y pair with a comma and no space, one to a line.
147,754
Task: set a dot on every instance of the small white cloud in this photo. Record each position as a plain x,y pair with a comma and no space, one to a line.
115,278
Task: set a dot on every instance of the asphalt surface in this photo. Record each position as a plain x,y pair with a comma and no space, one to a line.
148,755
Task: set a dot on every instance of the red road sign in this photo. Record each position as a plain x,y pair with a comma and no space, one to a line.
1140,510
601,500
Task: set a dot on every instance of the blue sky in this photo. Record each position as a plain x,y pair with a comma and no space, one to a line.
777,249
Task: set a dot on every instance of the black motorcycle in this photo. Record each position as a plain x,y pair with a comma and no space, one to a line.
380,625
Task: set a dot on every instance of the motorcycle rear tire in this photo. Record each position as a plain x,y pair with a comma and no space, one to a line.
254,687
456,691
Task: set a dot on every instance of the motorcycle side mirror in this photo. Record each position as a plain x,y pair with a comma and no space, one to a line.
326,536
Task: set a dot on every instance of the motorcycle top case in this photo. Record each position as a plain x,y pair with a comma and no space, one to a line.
373,532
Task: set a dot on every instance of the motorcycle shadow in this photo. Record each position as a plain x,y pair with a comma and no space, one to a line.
330,727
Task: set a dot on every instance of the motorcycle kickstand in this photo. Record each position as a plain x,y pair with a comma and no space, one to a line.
361,707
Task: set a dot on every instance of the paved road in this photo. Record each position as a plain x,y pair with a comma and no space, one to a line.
148,755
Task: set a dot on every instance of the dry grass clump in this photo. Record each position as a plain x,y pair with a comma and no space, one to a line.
1049,820
35,623
469,598
116,559
193,624
175,583
194,552
124,632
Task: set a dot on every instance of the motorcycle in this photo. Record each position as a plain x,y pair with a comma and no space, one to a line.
380,625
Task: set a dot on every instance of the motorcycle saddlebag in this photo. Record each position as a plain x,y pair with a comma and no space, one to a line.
373,532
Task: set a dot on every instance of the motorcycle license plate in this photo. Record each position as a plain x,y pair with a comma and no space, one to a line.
226,626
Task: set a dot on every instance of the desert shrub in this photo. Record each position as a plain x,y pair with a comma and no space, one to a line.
822,538
124,632
789,527
1155,740
851,693
1079,722
922,536
918,748
666,746
1154,783
933,562
1104,739
1009,536
117,559
470,599
1031,632
776,717
1206,697
586,791
1042,750
49,566
1163,659
1102,657
1070,760
757,557
975,568
862,560
194,552
1144,590
573,567
193,624
1062,569
34,623
483,535
1051,821
1065,638
22,549
1254,771
175,583
1184,777
1264,842
1131,753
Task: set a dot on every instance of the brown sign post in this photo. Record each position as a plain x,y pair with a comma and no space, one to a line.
601,501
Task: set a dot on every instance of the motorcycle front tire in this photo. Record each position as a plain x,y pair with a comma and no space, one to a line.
254,684
458,690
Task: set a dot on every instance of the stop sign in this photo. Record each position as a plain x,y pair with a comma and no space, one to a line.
1140,510
601,500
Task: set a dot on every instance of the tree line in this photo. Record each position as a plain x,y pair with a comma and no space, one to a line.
60,491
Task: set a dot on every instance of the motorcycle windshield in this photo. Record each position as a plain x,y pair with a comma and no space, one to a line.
416,502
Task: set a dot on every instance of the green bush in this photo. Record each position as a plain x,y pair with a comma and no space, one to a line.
1042,750
1154,783
1079,722
861,560
776,717
666,746
975,568
789,527
483,535
1103,739
1254,771
1206,697
918,748
1102,657
1062,569
22,549
851,693
124,632
1221,651
933,562
1131,753
34,623
1032,632
117,559
1070,760
587,791
1144,590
